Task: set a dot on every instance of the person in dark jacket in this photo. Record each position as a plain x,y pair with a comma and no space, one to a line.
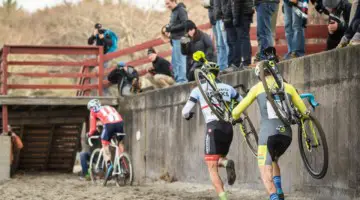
161,69
336,29
176,29
99,39
264,13
222,47
199,41
352,34
129,75
242,13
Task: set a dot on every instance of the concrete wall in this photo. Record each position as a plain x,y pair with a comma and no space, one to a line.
5,144
171,144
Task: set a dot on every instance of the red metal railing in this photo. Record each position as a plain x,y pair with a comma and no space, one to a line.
83,85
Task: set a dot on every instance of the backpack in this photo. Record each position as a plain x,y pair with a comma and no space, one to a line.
114,40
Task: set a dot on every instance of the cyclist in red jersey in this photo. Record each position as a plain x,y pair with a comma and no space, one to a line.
112,123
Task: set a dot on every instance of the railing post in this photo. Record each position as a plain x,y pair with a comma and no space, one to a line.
101,70
4,65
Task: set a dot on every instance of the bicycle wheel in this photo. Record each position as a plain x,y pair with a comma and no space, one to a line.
212,96
125,177
313,147
249,132
279,110
96,166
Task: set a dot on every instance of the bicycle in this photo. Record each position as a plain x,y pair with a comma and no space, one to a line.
289,115
123,170
218,106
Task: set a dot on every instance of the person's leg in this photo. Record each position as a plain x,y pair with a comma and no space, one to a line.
298,40
289,33
84,157
273,23
234,46
277,180
224,36
244,33
265,12
266,171
178,62
221,46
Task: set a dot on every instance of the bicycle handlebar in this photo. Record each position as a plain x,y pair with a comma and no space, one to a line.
93,137
310,97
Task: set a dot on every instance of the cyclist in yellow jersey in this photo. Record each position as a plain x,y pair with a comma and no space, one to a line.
274,137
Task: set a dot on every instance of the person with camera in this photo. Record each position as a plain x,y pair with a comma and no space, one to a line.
129,75
103,37
352,34
196,41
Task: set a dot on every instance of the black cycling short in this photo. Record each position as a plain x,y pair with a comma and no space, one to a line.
110,130
218,139
277,145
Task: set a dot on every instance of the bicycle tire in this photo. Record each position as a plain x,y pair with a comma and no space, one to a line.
323,143
129,179
270,98
252,147
93,174
199,72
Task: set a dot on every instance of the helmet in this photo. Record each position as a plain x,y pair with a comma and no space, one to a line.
94,104
121,64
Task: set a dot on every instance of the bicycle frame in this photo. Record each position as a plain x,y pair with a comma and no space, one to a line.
117,164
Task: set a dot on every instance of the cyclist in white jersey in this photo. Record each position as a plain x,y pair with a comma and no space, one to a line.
219,134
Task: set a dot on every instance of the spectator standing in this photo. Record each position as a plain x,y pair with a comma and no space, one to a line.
231,35
222,48
242,12
199,41
294,30
176,28
265,9
161,69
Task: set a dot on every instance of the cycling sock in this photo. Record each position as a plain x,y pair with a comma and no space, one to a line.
277,183
274,196
224,162
223,196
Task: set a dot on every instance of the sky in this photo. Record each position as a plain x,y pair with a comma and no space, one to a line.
33,5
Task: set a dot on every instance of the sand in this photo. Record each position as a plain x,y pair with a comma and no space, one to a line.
51,186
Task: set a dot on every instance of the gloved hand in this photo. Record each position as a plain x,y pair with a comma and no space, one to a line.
191,114
344,42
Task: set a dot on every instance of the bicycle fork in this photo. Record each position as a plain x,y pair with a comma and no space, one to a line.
307,139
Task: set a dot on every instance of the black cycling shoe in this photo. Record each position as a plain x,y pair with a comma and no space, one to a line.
230,170
281,196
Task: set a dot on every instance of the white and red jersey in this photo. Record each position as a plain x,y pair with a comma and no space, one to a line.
107,115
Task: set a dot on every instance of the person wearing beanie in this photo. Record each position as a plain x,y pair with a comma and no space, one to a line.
130,76
161,69
199,41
